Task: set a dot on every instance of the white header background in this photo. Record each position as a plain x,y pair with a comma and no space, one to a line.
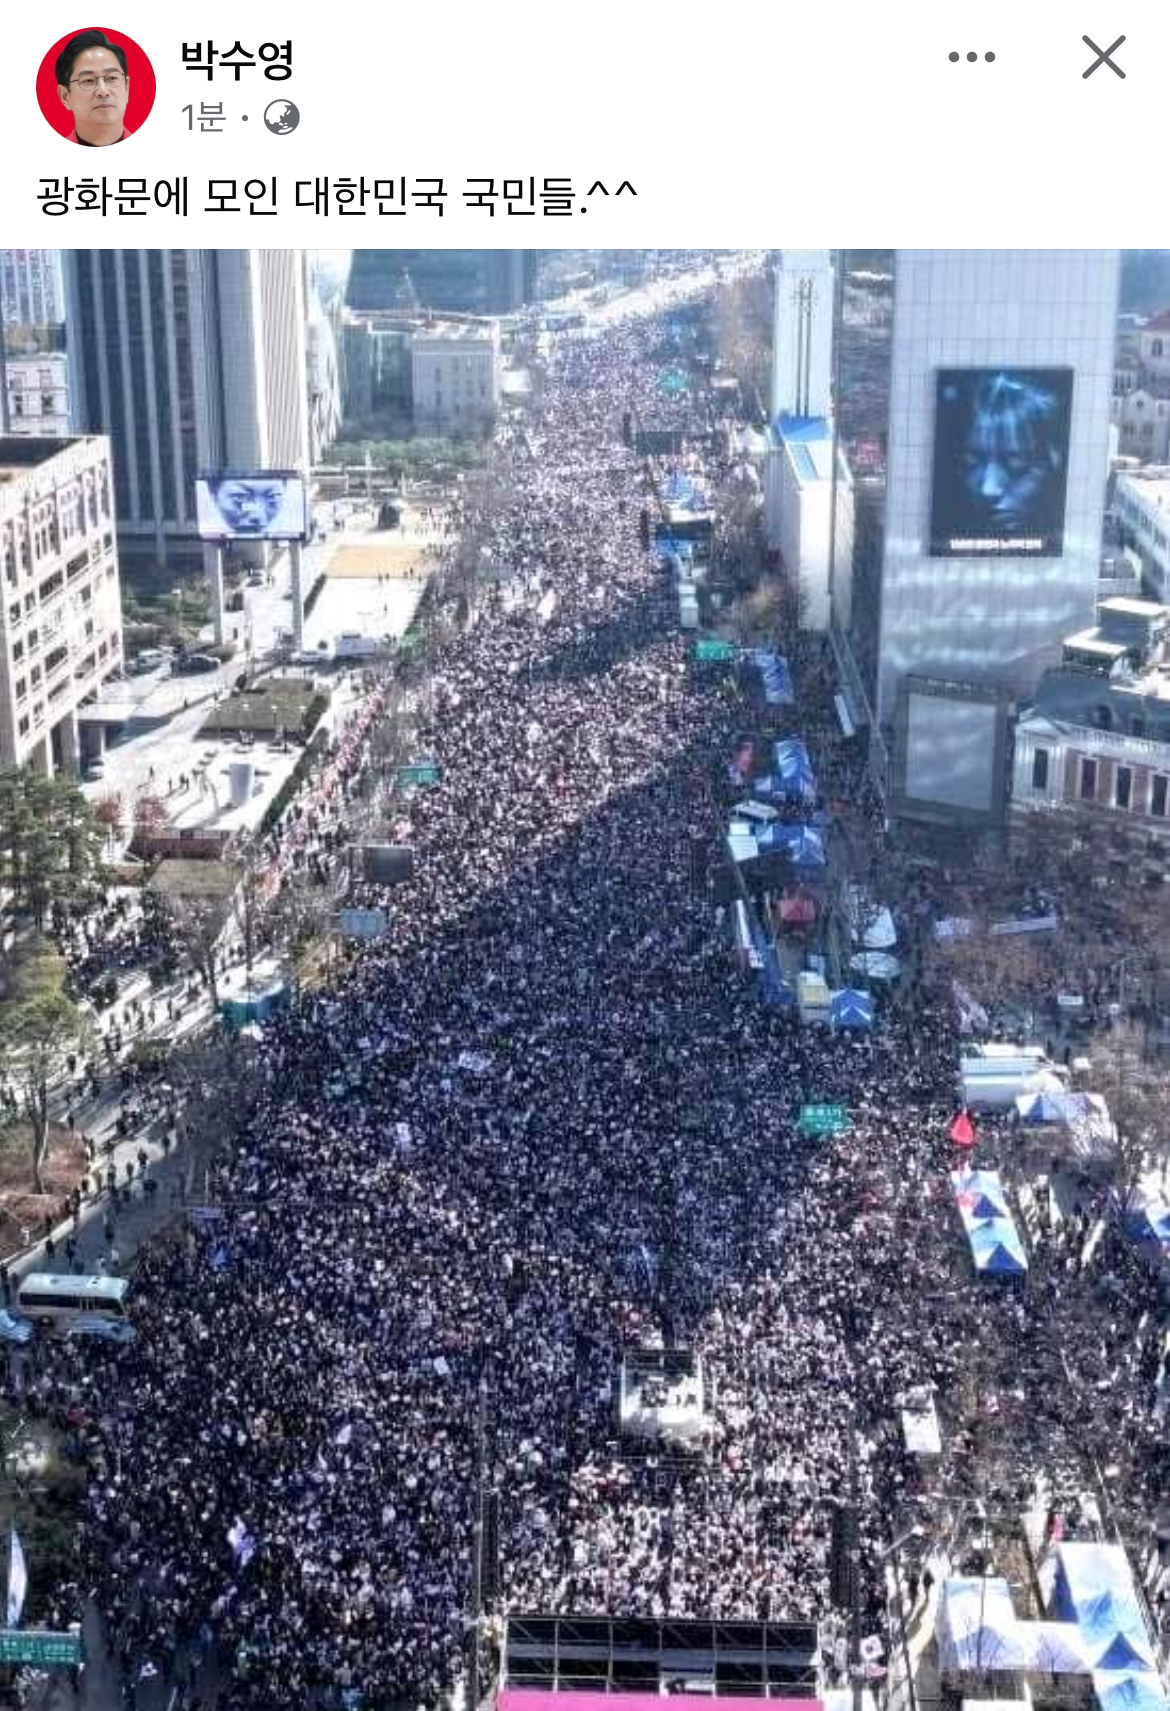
787,123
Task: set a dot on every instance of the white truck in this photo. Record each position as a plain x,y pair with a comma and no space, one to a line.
813,999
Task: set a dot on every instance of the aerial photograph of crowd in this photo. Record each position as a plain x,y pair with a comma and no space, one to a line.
655,1111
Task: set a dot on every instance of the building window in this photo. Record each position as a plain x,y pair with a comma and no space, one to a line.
1158,790
1088,780
1040,770
1123,787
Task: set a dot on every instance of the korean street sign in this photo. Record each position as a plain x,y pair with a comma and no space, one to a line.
38,1646
710,651
421,772
823,1119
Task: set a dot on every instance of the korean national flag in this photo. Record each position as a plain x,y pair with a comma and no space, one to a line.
17,1581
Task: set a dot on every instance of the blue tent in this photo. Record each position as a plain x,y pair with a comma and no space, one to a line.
1115,1631
794,769
982,1184
1094,1584
774,675
851,1009
1041,1108
996,1248
670,546
1129,1690
804,844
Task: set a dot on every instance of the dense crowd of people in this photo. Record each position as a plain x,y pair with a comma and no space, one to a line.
541,1120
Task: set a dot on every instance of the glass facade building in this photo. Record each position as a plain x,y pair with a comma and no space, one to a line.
973,392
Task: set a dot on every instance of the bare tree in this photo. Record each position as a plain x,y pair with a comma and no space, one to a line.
196,925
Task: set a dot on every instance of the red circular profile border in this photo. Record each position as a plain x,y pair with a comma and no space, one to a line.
142,82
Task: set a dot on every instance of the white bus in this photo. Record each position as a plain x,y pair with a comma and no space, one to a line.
60,1299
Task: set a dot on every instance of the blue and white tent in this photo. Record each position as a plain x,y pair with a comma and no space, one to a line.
996,1248
851,1009
774,675
804,844
1094,1586
794,768
977,1627
1129,1690
1041,1107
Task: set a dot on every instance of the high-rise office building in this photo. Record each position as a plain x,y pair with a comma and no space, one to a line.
974,391
31,289
468,282
191,360
60,616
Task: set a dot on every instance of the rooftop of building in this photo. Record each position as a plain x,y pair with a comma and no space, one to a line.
19,454
1152,484
1125,606
1159,323
808,443
467,332
1136,706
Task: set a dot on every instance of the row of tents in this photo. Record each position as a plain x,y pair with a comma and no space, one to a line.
996,1248
849,1008
1100,1630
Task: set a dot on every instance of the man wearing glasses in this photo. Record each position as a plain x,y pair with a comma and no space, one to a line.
93,83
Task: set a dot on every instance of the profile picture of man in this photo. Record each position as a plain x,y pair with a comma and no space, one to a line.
93,82
1001,461
95,87
252,507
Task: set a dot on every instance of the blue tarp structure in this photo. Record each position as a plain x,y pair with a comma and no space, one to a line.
681,494
670,546
804,844
774,989
1041,1107
257,1006
1128,1690
794,768
995,1244
977,1627
1094,1586
852,1009
774,675
996,1248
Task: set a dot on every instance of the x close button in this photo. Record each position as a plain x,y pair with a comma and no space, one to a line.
1104,56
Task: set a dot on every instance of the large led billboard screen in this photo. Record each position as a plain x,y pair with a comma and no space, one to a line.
1000,462
251,507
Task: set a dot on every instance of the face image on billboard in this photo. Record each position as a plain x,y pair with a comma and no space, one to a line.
250,507
1000,462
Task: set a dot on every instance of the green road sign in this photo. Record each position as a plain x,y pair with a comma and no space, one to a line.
422,772
710,651
30,1645
823,1119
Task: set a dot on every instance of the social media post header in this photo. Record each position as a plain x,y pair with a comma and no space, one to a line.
598,126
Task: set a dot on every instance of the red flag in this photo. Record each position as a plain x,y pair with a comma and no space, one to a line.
962,1131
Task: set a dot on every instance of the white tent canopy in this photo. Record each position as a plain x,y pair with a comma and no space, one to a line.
1055,1648
977,1627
